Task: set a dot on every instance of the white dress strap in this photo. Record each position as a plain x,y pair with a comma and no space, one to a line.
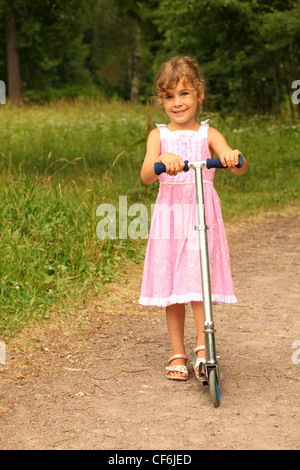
162,129
204,123
204,128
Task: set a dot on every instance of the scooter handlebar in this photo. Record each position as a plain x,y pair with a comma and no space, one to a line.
210,163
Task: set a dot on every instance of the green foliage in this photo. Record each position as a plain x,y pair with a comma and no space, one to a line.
81,43
112,47
248,50
60,162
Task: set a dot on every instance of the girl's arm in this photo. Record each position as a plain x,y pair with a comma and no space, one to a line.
173,163
227,155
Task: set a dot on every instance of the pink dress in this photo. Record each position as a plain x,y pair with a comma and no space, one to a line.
172,262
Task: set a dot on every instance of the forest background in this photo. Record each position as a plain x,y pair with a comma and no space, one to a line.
248,50
79,78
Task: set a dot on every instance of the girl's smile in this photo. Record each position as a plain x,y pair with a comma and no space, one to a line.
180,112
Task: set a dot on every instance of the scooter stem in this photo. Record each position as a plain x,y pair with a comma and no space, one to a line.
204,263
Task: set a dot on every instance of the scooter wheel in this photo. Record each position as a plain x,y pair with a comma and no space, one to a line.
214,388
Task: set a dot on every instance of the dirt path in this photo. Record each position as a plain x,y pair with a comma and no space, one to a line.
101,384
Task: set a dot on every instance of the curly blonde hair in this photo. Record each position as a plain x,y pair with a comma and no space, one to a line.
175,69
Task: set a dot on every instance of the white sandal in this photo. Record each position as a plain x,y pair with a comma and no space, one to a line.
200,363
183,369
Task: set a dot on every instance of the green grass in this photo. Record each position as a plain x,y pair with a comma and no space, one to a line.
59,162
272,180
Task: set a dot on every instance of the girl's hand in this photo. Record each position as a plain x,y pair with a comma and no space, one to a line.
173,163
230,158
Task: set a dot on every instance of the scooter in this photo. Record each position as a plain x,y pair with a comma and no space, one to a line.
210,373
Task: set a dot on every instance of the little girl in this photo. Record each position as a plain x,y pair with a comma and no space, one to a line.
172,275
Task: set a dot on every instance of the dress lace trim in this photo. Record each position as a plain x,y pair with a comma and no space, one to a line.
217,299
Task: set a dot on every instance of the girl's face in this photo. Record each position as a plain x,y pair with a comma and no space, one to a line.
181,104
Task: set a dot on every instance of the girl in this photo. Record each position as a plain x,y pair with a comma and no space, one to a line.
172,267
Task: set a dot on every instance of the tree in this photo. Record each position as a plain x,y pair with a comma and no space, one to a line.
13,61
38,34
113,41
147,43
247,50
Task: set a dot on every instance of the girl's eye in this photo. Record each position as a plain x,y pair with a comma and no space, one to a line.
168,97
184,93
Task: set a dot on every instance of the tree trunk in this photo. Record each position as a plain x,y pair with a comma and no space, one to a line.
135,65
13,62
277,88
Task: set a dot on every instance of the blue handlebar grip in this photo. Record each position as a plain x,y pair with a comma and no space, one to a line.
161,168
240,163
216,163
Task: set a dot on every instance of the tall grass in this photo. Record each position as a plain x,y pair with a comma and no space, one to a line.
271,146
59,162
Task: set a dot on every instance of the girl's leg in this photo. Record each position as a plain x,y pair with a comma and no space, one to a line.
175,322
198,312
